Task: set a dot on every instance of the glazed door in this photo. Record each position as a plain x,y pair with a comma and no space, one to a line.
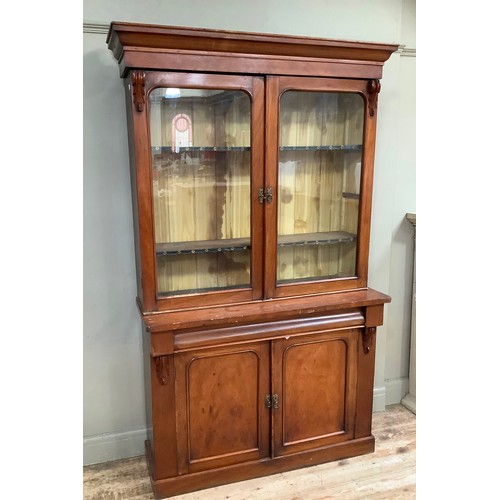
314,390
319,168
222,418
205,144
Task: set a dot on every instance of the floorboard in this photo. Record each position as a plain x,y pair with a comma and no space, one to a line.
387,474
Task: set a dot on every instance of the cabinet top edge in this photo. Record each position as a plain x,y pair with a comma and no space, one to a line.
266,310
124,35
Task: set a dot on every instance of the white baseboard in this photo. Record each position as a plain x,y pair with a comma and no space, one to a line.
379,398
410,402
395,390
389,394
114,446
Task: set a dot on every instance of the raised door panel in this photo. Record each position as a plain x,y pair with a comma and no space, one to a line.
222,418
315,381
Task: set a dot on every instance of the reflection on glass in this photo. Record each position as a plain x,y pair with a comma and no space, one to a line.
200,146
320,155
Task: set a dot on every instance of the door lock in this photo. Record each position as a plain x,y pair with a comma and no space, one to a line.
273,403
266,196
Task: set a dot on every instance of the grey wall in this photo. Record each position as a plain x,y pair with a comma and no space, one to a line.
112,377
114,417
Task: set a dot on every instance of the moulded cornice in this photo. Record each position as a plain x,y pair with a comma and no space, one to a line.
103,29
155,47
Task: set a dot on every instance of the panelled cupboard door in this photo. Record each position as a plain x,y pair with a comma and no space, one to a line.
314,379
222,418
319,165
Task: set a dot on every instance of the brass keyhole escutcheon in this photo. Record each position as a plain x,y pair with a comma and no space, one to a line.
275,401
271,403
268,400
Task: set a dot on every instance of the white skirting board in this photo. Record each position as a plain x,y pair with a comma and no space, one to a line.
389,394
410,402
379,398
113,446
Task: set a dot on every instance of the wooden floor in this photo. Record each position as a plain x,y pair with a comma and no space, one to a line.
386,474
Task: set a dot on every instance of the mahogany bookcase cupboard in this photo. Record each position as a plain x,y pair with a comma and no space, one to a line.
251,162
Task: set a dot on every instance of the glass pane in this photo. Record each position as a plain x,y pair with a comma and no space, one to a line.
200,145
320,154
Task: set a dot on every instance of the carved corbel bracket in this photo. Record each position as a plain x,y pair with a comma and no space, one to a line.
368,334
162,368
138,78
373,91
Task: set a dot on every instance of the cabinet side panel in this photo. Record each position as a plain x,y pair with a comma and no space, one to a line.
140,151
146,349
364,392
365,201
162,376
133,185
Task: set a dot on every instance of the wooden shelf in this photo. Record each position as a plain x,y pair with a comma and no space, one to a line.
203,246
195,149
350,196
325,238
238,244
332,147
